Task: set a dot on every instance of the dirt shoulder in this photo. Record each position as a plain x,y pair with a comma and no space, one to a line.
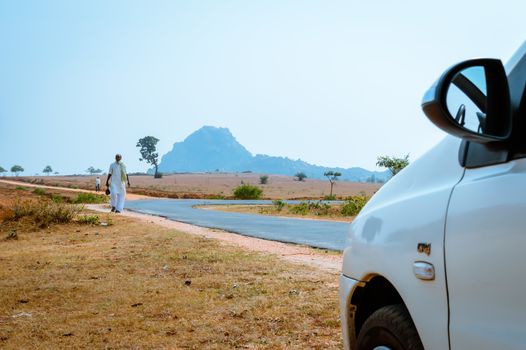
323,259
129,196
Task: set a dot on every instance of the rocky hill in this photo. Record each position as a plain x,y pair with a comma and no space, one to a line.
212,149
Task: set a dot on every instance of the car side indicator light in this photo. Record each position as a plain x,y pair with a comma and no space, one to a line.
424,270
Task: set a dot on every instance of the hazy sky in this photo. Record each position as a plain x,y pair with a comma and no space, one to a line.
335,83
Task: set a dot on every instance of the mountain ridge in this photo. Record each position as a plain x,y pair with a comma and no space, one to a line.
212,149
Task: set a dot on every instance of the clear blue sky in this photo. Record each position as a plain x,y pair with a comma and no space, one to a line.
335,83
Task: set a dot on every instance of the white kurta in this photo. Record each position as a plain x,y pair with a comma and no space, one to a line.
117,187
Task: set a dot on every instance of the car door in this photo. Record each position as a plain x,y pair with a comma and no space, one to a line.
485,241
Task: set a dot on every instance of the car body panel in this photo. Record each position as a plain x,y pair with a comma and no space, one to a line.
486,258
383,240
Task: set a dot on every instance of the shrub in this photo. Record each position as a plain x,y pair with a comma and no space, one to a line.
279,204
158,175
39,191
21,188
301,208
44,213
52,213
331,197
300,176
57,199
309,207
263,179
353,205
88,219
322,208
89,198
21,209
247,191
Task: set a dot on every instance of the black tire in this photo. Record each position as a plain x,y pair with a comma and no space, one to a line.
391,327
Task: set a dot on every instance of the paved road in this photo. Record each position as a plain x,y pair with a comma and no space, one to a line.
315,233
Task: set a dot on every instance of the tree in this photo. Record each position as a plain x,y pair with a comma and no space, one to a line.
332,176
300,176
92,170
395,165
263,179
2,170
148,154
17,169
47,170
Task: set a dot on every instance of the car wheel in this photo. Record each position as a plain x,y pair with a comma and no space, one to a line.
389,328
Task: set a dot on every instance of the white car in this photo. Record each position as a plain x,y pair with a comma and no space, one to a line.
437,259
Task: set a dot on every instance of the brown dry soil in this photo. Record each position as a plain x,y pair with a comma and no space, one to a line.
215,185
136,285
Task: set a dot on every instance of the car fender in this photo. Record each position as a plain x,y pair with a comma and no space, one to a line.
407,211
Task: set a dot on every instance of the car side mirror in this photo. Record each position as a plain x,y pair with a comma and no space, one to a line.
471,100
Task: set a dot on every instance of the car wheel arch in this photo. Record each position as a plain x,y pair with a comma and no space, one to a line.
375,293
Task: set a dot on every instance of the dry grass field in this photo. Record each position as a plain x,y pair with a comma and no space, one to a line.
132,285
216,185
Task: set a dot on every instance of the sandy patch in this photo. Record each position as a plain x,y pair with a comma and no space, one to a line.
129,196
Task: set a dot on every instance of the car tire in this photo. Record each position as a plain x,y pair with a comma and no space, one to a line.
389,328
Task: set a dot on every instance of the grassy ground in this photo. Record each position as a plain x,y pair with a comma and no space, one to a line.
345,211
132,285
332,215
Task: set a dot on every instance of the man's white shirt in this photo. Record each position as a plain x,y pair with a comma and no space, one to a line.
116,185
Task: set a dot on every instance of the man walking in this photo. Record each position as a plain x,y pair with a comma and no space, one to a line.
97,184
119,178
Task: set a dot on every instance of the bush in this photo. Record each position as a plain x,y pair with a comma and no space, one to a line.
21,209
158,175
21,188
247,191
263,179
330,197
88,219
322,208
300,176
44,213
90,198
353,205
301,208
57,199
52,213
279,204
39,191
308,207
